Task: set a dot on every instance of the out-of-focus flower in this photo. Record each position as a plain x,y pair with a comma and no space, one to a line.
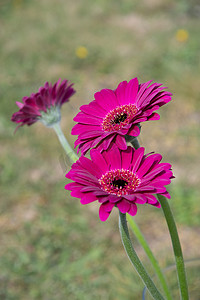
114,114
119,178
44,105
81,52
182,35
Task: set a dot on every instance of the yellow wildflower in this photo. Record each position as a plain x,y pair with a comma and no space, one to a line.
81,52
182,35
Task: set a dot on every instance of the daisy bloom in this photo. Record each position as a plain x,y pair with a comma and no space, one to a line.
121,178
114,114
44,105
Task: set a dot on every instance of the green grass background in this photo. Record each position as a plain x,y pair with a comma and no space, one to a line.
51,247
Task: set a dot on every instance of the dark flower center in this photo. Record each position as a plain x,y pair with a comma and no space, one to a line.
119,117
119,182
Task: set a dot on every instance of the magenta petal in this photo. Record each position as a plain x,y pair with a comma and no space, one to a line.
19,104
134,131
90,166
120,92
114,198
88,198
108,206
137,158
147,164
87,119
133,210
154,117
124,206
106,99
126,158
76,193
157,204
152,199
141,199
80,128
114,158
98,159
106,143
103,214
166,194
142,88
120,142
93,109
73,185
131,91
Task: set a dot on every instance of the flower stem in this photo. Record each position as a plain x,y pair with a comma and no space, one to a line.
150,255
141,239
70,153
134,141
176,246
134,258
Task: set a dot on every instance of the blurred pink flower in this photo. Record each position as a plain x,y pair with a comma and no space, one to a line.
44,105
114,114
121,178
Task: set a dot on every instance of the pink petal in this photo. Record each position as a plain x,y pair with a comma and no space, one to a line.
120,92
113,158
93,109
106,99
120,142
19,104
166,194
103,215
88,198
137,158
134,131
131,91
154,117
124,206
126,158
87,119
98,159
73,185
148,163
79,128
133,210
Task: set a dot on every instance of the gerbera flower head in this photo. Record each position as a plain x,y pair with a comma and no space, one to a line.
44,105
121,178
116,113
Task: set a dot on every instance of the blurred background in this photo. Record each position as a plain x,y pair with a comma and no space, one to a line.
51,247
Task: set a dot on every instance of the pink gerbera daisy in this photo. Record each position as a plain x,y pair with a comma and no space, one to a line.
114,114
44,105
121,178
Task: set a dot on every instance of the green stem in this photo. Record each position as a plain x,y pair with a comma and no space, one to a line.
150,255
135,143
141,239
134,258
176,246
70,153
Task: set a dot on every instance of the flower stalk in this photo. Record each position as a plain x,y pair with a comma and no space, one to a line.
175,240
132,255
150,255
69,151
176,247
